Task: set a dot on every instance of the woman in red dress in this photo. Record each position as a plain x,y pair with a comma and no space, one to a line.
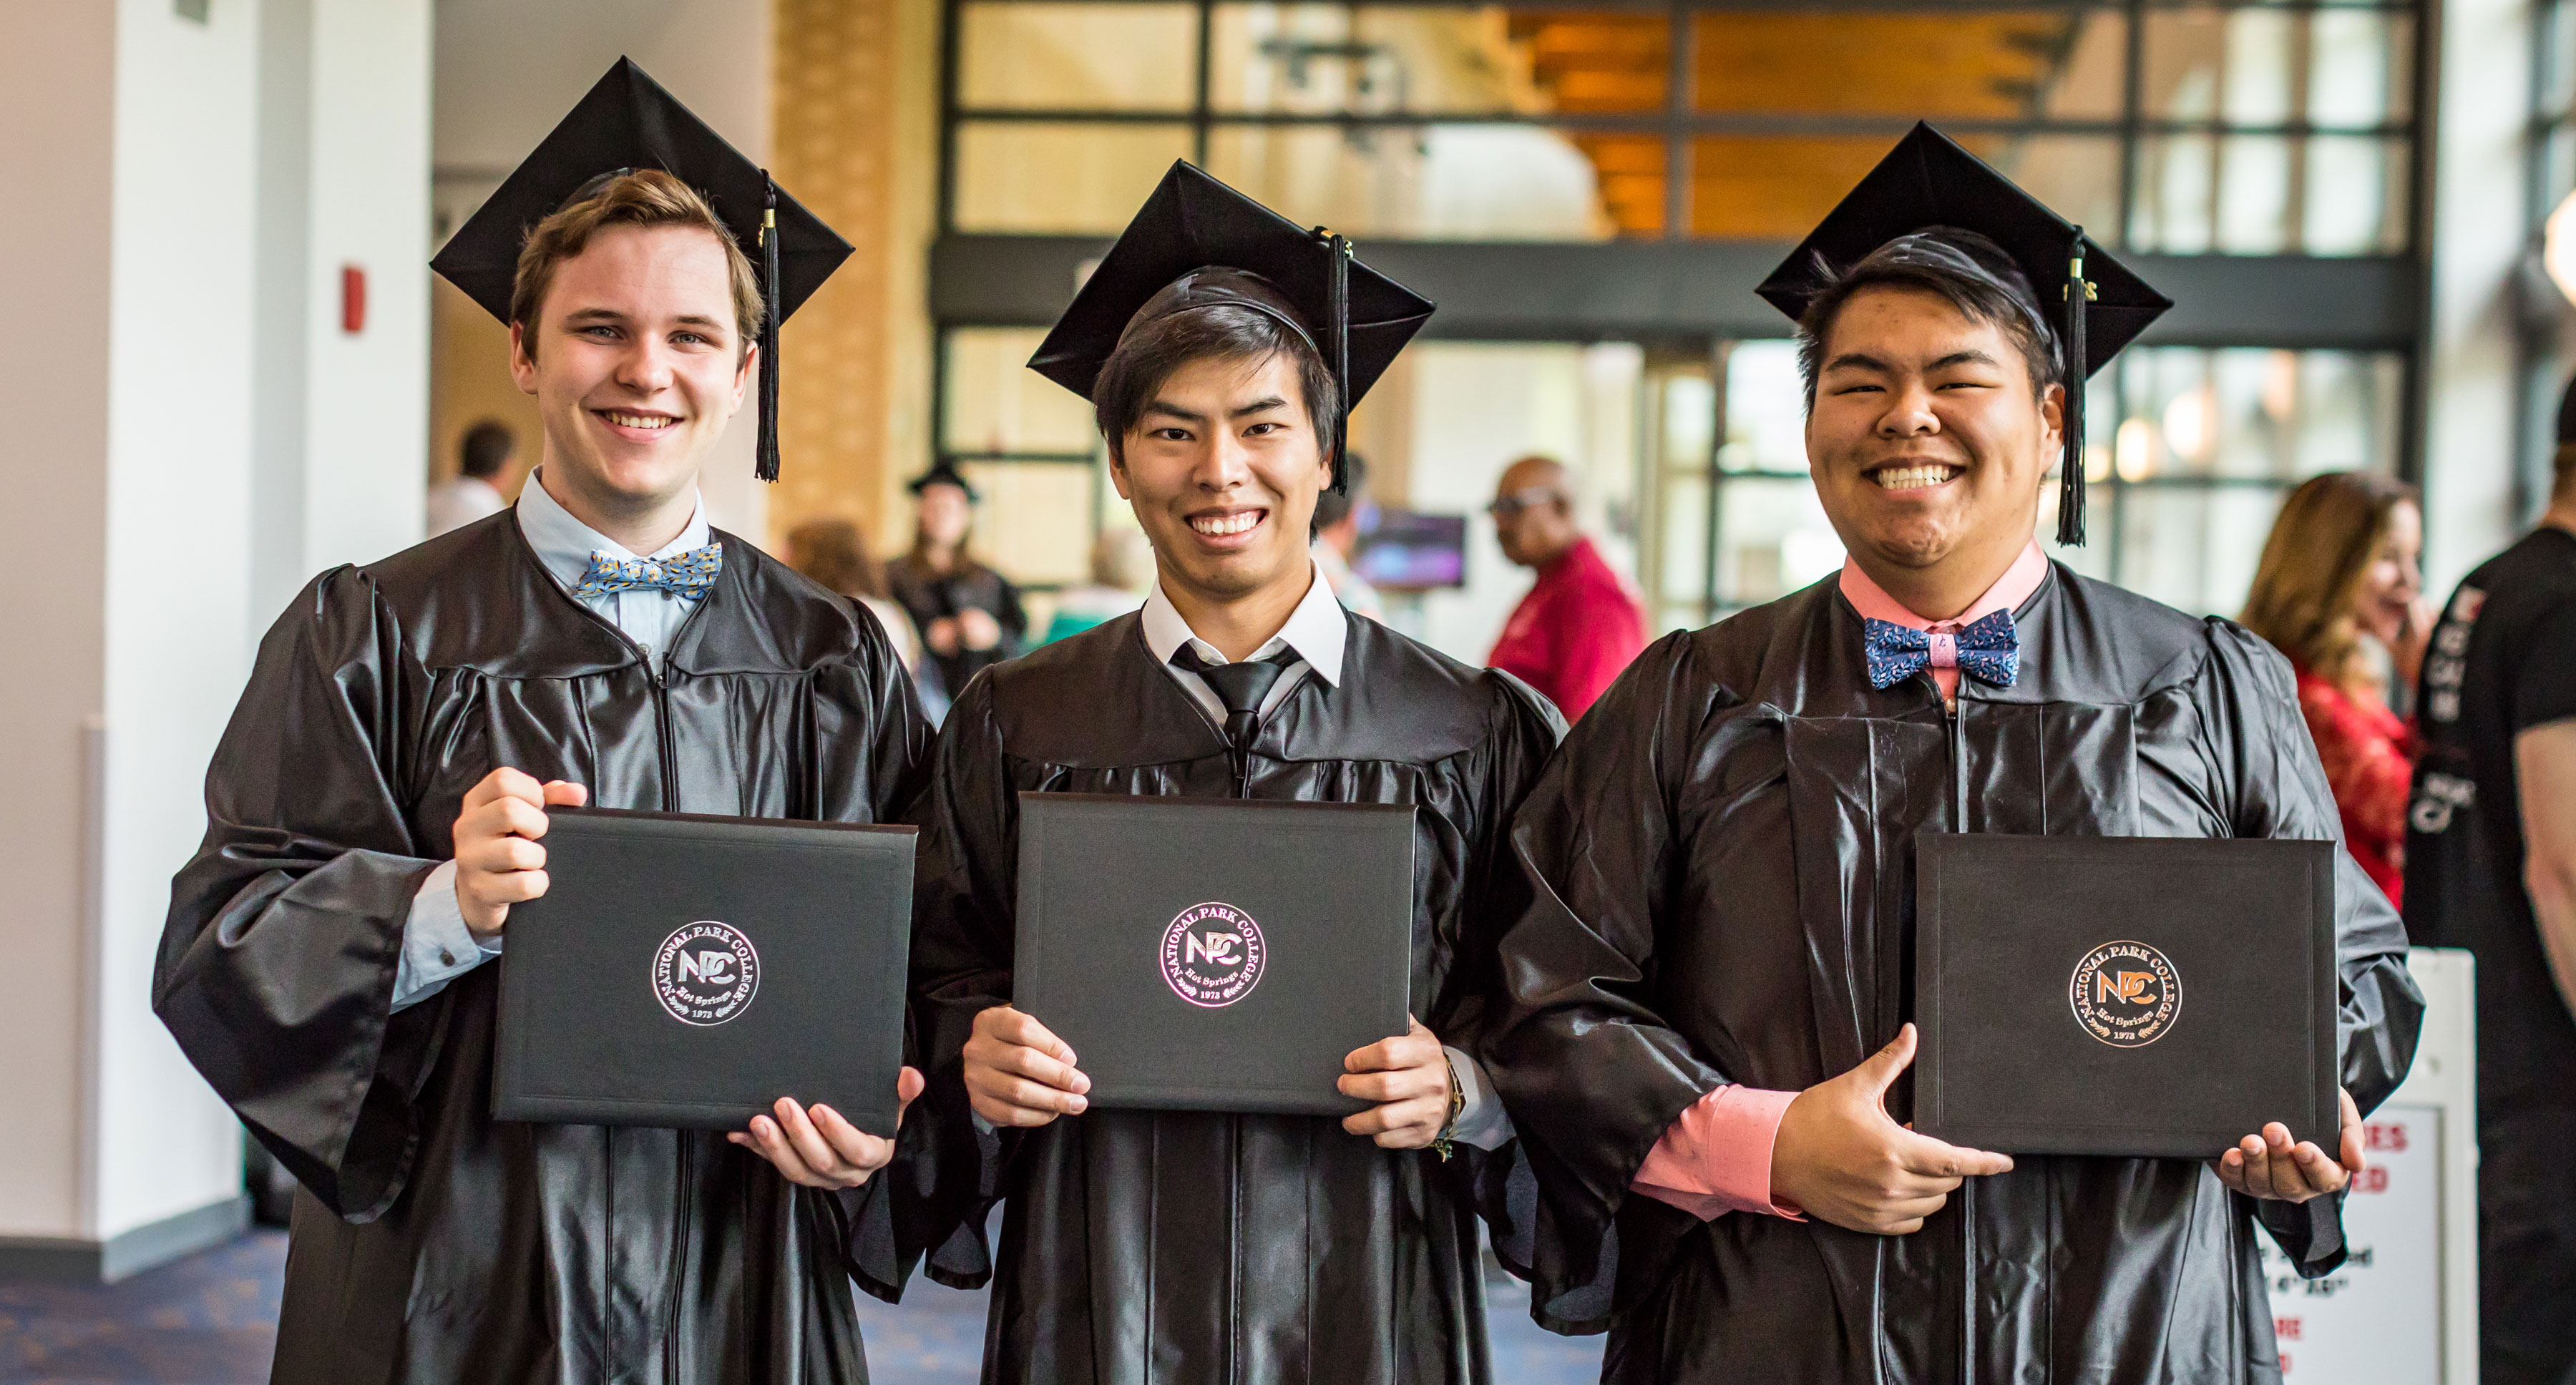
2341,571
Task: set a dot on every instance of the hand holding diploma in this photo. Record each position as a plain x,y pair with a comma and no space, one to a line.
1019,1074
1408,1077
2269,1166
499,861
1840,1157
816,1147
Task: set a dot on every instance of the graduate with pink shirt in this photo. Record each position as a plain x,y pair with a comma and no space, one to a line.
1704,1027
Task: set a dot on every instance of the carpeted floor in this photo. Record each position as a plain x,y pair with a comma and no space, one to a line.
212,1319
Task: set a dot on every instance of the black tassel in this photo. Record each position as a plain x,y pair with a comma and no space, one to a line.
1340,249
766,465
2070,485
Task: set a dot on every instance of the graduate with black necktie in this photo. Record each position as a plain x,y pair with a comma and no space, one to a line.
1220,347
1709,1002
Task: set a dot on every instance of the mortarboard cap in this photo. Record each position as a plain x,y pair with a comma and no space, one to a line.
628,122
944,474
1929,183
1197,242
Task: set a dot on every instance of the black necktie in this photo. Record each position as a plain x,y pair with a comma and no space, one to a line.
1240,686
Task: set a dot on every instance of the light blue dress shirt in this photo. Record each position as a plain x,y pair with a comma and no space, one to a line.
437,946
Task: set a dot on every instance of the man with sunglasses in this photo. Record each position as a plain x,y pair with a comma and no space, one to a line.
1579,625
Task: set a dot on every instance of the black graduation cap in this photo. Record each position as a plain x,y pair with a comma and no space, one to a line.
1197,242
1927,182
944,474
628,122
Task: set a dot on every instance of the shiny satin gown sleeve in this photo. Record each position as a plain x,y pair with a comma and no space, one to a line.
277,962
1591,1073
2261,745
963,924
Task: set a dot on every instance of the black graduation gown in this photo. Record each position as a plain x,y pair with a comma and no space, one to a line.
927,596
1722,854
432,1243
1197,1248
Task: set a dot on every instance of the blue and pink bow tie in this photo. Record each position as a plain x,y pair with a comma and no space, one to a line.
684,575
1987,649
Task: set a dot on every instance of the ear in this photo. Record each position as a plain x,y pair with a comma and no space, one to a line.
742,374
2052,424
523,367
1118,467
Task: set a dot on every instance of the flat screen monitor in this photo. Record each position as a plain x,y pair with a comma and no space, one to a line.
1403,550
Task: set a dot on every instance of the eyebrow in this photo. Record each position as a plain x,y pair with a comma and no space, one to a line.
1857,360
1168,409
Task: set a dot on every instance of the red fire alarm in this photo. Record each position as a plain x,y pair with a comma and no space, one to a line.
353,299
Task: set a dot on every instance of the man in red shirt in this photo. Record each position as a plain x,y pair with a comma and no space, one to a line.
1578,626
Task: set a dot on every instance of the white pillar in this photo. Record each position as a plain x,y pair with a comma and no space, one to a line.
146,493
2478,221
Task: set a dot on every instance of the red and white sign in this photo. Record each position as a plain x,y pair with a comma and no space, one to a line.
2378,1316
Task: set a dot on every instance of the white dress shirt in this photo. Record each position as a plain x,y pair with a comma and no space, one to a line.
1317,631
437,946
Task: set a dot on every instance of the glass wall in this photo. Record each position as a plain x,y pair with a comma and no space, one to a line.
2229,129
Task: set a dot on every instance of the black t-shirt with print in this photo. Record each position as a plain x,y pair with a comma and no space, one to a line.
2503,660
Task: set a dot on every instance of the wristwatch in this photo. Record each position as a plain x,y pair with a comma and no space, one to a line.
1441,1143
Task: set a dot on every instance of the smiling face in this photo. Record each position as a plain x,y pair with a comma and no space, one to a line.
1927,444
1223,467
637,363
2395,576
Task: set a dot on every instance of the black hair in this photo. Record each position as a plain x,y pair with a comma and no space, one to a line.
1334,506
1970,271
1148,356
485,450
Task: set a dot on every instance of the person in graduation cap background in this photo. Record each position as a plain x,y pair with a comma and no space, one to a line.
968,614
1707,1000
1220,347
378,804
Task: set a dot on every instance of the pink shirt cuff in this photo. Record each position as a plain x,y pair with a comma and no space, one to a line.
1716,1157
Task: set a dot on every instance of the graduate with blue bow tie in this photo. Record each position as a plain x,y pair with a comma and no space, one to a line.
378,806
1705,1012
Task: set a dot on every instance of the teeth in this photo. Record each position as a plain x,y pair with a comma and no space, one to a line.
1907,478
1219,526
640,420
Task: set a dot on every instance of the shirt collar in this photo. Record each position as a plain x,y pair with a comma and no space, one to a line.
1316,630
564,544
2008,592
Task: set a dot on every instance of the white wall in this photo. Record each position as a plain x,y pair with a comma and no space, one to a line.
508,71
2478,242
190,450
56,73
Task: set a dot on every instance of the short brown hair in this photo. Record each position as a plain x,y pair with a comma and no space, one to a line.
643,197
2309,580
831,551
2562,472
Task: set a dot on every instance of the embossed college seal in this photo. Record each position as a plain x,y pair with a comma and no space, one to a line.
706,973
1213,955
2126,994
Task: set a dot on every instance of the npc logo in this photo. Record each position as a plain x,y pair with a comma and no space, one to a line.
1213,955
2126,994
706,973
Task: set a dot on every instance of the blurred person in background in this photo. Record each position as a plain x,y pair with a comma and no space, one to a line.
476,491
969,615
1578,626
1337,540
833,552
2491,866
2344,568
1122,571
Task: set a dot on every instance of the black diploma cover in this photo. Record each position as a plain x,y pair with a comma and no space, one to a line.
687,971
1214,954
2148,997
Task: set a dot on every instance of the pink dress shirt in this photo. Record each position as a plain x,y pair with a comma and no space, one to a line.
1715,1158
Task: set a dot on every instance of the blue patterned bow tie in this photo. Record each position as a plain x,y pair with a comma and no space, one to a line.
684,575
1987,649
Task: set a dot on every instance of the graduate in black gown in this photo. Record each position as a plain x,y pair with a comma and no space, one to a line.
378,803
1203,1247
1709,998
